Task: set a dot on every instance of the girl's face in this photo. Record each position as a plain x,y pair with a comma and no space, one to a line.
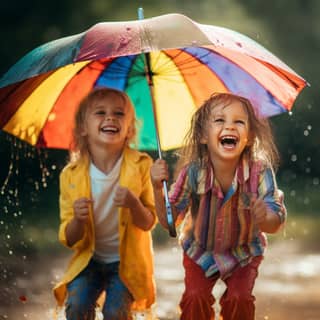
227,131
108,121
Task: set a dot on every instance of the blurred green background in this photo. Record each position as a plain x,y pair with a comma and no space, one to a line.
289,28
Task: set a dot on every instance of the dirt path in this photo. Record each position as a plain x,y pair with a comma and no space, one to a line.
288,286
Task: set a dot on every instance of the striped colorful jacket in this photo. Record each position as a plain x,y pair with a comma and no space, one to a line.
218,230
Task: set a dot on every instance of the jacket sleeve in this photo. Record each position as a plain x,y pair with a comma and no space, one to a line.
146,195
66,199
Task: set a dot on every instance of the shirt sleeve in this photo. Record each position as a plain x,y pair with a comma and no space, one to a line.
272,196
180,192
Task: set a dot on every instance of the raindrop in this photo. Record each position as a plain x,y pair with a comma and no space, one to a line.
308,170
10,252
306,200
306,132
309,159
309,127
315,181
124,41
294,158
290,113
293,193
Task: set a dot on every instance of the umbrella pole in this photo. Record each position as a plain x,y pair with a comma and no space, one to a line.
170,220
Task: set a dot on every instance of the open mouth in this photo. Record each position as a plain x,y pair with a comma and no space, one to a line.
110,129
229,141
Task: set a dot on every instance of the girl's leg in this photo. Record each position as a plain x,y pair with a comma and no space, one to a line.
83,292
238,302
118,297
197,299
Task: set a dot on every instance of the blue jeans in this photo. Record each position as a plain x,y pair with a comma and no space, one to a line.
84,290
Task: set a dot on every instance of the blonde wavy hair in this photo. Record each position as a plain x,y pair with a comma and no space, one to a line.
79,146
262,144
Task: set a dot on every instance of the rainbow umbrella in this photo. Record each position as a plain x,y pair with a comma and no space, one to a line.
168,65
188,62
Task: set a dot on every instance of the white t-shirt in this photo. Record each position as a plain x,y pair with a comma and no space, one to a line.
105,213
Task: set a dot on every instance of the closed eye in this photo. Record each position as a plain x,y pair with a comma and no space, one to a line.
119,113
100,112
218,120
241,122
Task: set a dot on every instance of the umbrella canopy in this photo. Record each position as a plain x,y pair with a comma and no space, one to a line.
188,62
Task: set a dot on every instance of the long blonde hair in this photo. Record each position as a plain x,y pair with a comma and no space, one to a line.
79,147
262,147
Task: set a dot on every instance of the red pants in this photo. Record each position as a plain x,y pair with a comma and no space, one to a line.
237,302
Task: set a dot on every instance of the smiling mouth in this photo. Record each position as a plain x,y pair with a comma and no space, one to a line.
112,130
229,141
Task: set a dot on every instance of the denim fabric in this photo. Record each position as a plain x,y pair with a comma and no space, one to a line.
84,290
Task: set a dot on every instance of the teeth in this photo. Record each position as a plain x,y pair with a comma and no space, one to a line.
109,129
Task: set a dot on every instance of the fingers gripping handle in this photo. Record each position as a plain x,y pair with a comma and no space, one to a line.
170,220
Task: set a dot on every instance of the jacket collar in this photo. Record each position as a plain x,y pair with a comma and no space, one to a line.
128,155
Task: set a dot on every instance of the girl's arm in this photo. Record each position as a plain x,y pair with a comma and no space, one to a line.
76,227
142,217
269,209
159,173
73,214
266,219
141,207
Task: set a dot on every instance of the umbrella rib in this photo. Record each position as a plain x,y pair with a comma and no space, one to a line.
185,64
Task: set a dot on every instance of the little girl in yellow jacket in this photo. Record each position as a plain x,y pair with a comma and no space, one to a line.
107,212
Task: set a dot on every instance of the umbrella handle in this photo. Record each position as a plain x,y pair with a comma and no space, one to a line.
170,220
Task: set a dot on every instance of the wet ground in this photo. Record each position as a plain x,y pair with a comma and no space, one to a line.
288,286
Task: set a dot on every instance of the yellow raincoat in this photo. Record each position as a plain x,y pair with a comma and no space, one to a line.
136,253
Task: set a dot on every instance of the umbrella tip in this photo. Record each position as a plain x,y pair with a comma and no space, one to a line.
140,13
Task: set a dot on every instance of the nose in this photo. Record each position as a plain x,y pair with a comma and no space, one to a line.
229,125
109,116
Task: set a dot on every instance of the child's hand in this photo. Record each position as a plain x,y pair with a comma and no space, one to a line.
124,198
159,172
259,210
81,209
